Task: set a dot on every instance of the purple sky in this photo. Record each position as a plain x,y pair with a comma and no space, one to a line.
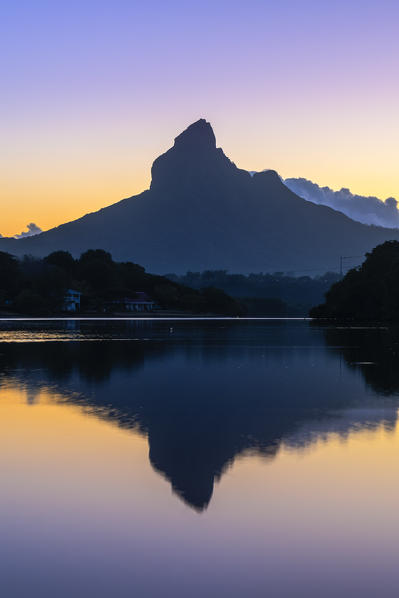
92,92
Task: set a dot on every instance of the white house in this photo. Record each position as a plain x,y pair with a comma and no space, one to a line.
71,301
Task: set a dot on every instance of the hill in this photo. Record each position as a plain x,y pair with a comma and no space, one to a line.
264,294
370,292
38,286
202,212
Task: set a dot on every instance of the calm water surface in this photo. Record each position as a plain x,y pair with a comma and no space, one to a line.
188,459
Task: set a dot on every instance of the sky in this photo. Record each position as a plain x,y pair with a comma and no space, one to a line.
93,91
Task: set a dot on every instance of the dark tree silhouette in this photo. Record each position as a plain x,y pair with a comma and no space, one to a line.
370,292
38,286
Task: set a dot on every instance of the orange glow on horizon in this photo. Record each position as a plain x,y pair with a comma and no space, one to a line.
58,188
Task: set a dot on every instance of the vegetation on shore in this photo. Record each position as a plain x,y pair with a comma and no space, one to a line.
369,292
38,286
277,294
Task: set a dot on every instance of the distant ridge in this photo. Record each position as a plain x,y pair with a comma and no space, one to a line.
202,212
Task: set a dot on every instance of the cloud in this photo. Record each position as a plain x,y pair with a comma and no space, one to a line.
33,229
368,210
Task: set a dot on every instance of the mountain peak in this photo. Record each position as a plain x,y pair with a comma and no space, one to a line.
193,156
199,134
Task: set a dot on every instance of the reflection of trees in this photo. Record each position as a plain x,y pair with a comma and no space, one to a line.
202,403
372,351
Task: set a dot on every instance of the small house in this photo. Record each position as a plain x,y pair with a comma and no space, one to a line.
139,302
71,301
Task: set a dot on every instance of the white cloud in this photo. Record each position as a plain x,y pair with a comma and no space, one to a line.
368,210
33,229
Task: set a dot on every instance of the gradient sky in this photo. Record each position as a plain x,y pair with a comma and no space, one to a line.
93,91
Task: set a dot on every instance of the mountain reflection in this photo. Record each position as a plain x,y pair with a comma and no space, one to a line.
205,393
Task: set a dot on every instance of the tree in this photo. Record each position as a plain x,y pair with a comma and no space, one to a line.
61,259
370,292
98,269
9,273
219,302
29,302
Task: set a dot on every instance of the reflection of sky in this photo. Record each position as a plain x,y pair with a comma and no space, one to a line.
82,513
92,92
94,436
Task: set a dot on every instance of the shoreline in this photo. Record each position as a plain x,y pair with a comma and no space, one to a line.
148,318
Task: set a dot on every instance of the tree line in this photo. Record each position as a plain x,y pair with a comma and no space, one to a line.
369,292
37,286
276,294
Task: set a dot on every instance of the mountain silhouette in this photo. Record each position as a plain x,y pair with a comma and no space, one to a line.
202,212
210,395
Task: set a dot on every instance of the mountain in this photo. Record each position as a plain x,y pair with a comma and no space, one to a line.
202,212
199,421
369,210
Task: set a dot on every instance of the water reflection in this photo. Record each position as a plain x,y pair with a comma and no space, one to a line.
372,351
204,394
